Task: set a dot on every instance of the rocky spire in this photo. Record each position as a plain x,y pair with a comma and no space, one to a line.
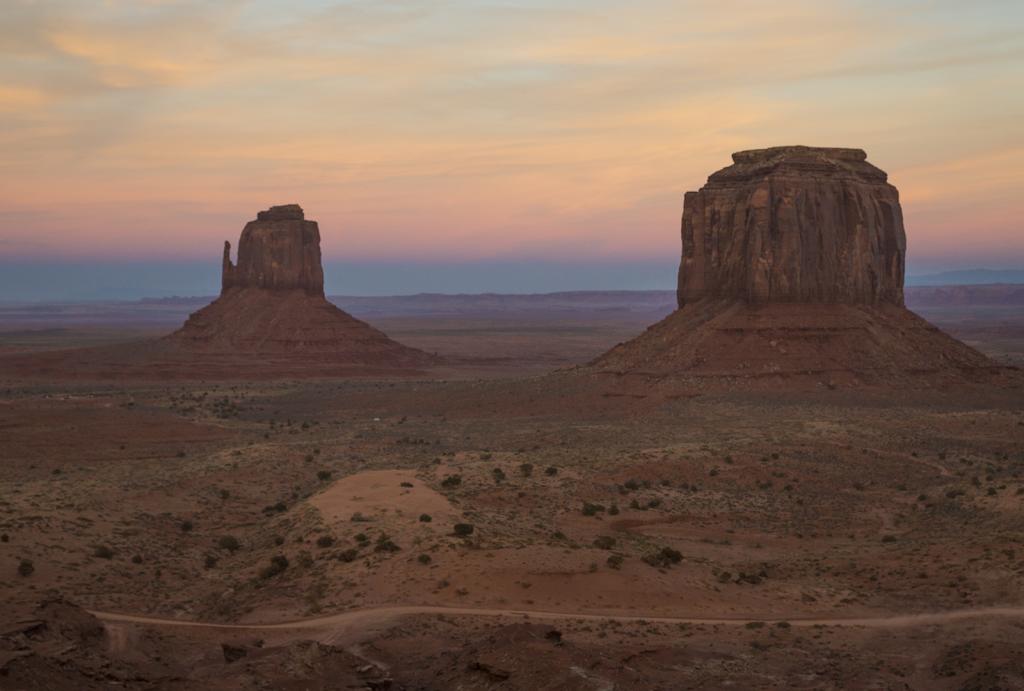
278,251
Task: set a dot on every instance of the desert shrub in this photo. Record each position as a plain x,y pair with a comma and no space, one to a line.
279,540
663,558
323,475
631,485
279,507
526,469
499,475
5,538
591,509
324,541
385,544
277,566
604,542
425,518
362,538
224,494
349,555
452,481
137,559
305,559
888,538
407,484
551,470
26,567
210,561
463,529
613,510
724,577
103,552
614,561
229,542
186,526
358,517
424,559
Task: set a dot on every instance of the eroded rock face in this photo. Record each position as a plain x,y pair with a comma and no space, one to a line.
794,224
272,305
280,250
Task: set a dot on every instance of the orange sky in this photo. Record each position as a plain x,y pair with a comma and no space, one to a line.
459,130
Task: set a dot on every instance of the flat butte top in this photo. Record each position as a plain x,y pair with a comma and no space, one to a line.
798,161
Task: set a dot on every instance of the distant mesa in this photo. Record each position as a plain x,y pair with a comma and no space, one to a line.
272,303
792,266
280,250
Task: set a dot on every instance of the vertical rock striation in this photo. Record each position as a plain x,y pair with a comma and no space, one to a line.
794,224
278,251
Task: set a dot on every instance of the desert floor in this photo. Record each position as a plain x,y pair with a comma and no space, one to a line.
492,525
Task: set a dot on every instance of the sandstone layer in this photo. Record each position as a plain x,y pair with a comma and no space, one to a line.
794,224
792,268
280,250
272,303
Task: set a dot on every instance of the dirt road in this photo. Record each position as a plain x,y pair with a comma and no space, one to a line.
378,616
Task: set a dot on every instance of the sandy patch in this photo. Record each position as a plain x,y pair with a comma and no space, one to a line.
380,493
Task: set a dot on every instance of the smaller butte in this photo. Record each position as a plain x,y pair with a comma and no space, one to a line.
272,304
792,269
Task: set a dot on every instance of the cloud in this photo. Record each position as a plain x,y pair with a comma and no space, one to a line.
469,128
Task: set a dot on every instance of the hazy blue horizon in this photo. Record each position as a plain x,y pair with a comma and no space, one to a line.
40,282
70,282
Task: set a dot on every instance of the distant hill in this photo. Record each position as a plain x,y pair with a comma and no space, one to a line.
996,294
967,277
635,306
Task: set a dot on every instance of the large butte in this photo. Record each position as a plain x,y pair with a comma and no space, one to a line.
272,303
792,270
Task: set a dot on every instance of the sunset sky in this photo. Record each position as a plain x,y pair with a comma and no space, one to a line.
467,131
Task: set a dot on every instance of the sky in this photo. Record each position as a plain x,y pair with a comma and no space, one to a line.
440,134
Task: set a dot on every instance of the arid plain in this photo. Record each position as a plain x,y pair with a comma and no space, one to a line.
790,536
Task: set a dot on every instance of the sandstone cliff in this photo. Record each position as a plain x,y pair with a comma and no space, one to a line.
277,251
794,224
792,270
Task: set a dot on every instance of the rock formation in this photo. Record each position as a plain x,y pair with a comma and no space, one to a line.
272,303
792,267
794,224
280,250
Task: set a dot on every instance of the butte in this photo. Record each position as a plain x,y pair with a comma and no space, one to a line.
792,270
272,304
